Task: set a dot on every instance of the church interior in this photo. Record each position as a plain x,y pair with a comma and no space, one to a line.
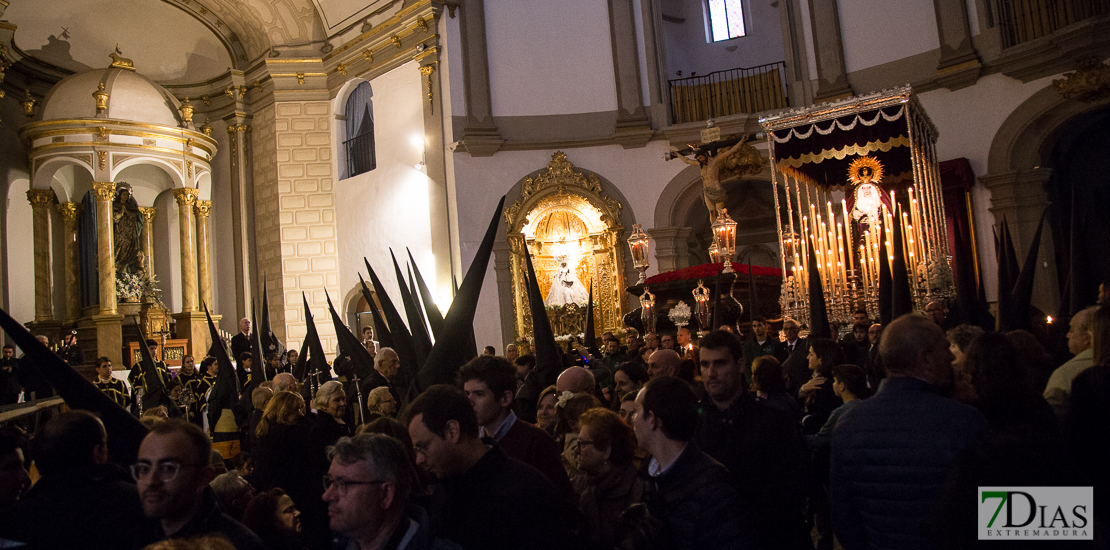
162,158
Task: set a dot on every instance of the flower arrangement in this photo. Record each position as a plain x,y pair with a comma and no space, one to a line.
132,286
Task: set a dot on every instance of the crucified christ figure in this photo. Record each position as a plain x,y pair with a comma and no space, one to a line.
710,166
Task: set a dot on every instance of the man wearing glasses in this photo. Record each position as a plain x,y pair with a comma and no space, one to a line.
367,490
173,473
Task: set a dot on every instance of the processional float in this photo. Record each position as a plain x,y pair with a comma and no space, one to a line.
851,176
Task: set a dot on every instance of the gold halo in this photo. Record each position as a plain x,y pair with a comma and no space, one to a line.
865,162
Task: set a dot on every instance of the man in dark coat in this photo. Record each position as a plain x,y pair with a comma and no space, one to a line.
891,453
489,381
491,501
240,344
792,354
81,500
9,373
692,495
759,445
173,472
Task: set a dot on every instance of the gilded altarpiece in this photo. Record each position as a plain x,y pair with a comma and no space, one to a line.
562,215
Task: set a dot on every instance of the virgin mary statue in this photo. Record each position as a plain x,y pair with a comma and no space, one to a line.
565,287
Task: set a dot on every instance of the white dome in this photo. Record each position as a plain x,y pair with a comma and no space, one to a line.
131,97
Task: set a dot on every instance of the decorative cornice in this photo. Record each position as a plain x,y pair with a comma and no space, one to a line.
40,198
104,190
69,211
186,196
203,208
148,212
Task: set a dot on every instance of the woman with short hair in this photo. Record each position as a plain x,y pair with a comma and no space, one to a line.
608,484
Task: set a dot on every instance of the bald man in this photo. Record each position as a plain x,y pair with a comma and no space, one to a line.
285,382
663,363
575,380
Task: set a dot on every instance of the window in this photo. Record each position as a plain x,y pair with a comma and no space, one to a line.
726,19
359,144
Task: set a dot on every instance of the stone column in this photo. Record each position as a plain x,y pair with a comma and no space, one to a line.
70,211
148,239
242,212
105,191
480,136
824,17
202,209
40,228
959,66
186,200
671,250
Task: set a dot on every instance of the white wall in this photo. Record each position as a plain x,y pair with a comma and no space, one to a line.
688,49
167,250
879,31
640,175
549,58
388,206
967,120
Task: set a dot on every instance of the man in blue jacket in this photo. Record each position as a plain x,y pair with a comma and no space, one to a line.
891,453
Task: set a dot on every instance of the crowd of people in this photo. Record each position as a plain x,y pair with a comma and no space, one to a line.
665,441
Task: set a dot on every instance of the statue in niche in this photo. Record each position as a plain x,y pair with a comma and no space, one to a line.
127,232
716,166
565,286
868,199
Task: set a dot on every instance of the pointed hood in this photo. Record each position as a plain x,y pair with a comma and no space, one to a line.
901,300
470,349
381,330
1006,275
435,317
317,361
449,352
156,392
1022,295
421,341
886,282
967,306
590,339
818,314
258,358
225,390
402,339
125,432
350,346
268,340
549,358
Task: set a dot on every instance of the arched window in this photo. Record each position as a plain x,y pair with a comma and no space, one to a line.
359,144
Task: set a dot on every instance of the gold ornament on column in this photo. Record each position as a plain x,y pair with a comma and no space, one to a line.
101,96
28,104
427,71
206,129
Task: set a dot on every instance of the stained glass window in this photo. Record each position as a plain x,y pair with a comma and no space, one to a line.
726,19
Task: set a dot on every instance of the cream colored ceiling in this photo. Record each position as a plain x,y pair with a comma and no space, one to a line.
171,41
166,43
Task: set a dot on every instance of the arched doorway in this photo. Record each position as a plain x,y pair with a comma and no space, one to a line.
575,234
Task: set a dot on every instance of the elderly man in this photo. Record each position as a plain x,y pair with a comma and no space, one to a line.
664,362
651,341
9,370
937,312
173,473
1058,390
285,382
792,353
575,380
241,342
369,485
492,501
511,352
891,454
386,363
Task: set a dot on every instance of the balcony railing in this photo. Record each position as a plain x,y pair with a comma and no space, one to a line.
1024,20
360,154
730,92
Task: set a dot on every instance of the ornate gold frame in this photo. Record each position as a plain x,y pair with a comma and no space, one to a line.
561,188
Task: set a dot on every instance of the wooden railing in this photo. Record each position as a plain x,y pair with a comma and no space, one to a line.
1024,20
730,92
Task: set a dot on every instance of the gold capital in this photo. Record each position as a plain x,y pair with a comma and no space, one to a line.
69,210
40,198
147,212
186,196
203,208
104,190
